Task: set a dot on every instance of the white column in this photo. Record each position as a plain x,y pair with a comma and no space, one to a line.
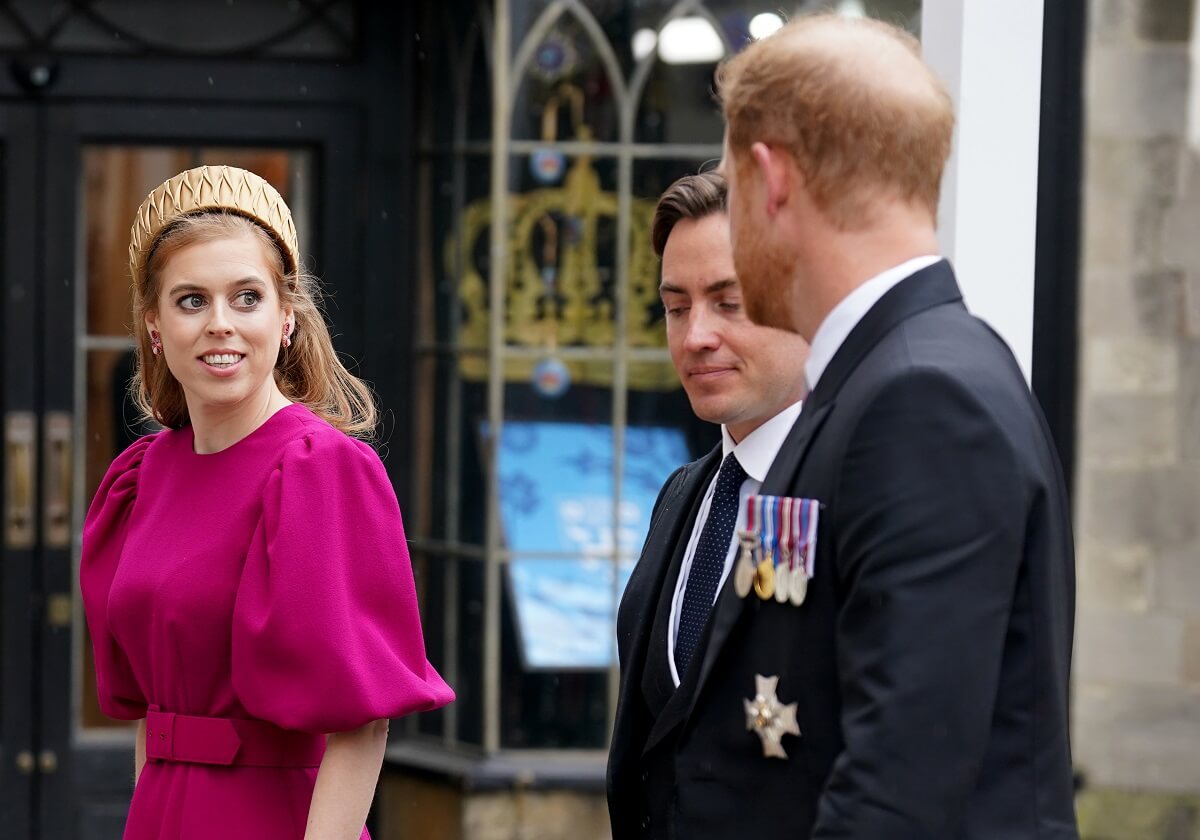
989,54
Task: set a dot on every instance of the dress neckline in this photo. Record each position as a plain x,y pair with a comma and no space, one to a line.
237,444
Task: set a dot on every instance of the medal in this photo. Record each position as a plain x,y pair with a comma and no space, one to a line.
744,570
783,575
764,579
768,718
799,587
805,519
743,575
783,582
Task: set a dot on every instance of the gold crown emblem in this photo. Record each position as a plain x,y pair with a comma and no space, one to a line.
576,309
212,188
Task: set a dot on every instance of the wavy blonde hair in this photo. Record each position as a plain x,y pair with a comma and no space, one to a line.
309,372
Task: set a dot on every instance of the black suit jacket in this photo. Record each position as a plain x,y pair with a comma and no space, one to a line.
931,659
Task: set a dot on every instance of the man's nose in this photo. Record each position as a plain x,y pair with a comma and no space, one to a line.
701,331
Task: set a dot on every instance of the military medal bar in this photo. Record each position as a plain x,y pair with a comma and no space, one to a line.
777,548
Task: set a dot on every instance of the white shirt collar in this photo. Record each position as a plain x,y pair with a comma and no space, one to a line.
845,316
758,449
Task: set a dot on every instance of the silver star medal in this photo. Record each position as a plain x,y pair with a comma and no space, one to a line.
769,718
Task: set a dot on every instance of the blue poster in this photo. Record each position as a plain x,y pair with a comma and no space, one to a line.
556,497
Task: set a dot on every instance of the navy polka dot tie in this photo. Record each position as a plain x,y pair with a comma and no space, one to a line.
709,561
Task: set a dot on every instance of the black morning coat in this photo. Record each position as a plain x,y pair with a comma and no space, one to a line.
930,660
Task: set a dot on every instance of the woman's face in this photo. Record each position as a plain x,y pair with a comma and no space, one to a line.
221,321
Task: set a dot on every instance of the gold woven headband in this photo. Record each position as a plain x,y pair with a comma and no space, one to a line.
212,188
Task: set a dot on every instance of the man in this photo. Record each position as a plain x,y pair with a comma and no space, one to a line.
930,661
750,379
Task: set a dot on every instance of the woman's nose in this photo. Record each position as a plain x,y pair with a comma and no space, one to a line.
218,321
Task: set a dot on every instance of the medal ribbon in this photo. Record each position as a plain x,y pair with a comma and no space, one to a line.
785,532
802,532
797,529
758,522
768,527
780,529
810,535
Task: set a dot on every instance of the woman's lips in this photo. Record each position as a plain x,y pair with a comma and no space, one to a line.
221,364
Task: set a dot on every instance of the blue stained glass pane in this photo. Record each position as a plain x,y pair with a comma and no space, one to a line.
556,497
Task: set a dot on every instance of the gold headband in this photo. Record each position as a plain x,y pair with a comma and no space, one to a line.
208,188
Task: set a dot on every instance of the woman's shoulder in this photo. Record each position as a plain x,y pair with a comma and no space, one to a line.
319,463
128,464
312,438
118,489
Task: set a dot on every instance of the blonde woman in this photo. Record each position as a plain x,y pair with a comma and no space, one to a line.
244,571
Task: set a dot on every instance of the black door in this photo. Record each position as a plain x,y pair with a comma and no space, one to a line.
18,590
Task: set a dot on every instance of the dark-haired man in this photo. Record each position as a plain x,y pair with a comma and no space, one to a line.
750,379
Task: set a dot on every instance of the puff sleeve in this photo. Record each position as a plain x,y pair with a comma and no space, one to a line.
326,632
104,533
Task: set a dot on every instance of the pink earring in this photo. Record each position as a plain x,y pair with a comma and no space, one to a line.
287,339
155,342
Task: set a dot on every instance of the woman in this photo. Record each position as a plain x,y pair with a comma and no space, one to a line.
244,571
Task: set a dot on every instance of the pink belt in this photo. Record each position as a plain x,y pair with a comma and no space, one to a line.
228,741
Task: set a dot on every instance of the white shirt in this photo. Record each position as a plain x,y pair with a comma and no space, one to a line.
853,307
755,453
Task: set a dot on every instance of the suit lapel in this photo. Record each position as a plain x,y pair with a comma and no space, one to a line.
929,287
657,685
642,593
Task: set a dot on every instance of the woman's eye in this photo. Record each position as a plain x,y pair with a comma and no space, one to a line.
248,298
191,301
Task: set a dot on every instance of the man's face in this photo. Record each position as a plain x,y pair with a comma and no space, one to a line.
735,372
766,268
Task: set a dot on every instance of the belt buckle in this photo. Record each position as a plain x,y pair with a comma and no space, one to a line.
160,735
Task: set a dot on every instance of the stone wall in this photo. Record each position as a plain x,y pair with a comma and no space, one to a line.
1137,666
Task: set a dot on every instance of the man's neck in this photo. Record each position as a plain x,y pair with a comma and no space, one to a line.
847,259
741,430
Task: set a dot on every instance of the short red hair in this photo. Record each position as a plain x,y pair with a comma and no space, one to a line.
851,133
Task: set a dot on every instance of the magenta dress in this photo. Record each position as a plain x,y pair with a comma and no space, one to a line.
266,587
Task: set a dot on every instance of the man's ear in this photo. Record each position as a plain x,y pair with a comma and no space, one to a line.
778,173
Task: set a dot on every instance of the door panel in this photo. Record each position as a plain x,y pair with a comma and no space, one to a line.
18,604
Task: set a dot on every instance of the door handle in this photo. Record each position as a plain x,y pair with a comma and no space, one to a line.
57,489
20,477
